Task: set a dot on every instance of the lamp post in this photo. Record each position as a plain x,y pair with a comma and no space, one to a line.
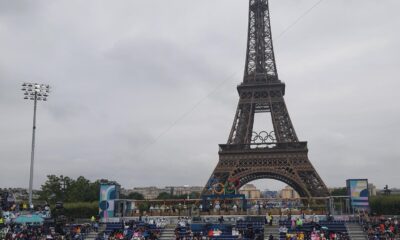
187,191
63,186
35,92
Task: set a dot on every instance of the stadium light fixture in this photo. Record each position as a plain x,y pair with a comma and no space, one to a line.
35,92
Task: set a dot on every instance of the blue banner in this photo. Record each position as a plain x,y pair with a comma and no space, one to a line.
358,192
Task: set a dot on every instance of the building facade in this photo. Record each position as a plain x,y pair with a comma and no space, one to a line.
153,192
288,193
250,191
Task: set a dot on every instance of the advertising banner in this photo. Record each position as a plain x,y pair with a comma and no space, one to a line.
358,192
108,194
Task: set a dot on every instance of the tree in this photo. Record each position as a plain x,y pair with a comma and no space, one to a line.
69,190
79,191
195,195
136,196
51,189
165,195
389,205
342,191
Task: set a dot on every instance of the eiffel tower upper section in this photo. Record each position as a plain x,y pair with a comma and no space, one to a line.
260,59
261,89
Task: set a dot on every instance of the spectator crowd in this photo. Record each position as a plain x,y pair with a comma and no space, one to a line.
381,227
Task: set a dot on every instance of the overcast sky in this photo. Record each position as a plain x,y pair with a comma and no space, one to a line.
144,91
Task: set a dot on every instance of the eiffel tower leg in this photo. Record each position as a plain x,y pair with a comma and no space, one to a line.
243,121
284,130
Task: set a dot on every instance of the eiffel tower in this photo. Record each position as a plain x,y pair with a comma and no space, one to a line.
270,154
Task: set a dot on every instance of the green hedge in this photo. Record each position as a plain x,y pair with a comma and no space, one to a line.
81,209
387,205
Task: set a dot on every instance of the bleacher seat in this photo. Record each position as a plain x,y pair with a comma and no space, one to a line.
331,226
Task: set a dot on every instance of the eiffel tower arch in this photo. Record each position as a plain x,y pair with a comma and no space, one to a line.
273,153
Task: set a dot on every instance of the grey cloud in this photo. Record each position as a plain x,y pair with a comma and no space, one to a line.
123,72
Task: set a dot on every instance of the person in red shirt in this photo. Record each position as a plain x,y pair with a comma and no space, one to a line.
210,233
382,227
119,236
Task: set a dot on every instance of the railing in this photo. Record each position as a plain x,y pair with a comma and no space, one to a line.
217,213
273,146
255,206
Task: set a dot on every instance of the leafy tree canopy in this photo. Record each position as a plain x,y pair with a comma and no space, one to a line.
342,191
136,196
165,195
133,195
61,188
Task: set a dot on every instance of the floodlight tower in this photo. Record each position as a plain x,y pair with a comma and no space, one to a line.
35,92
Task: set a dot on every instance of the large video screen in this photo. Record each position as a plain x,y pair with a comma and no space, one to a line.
358,192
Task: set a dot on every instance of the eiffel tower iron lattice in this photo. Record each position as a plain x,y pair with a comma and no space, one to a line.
275,154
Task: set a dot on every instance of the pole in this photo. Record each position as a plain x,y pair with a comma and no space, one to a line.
32,153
